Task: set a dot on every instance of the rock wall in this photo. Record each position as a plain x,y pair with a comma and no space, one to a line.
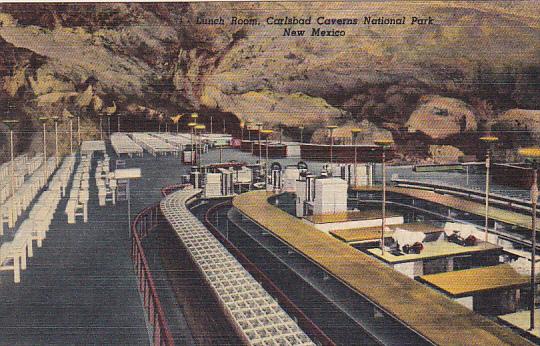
423,86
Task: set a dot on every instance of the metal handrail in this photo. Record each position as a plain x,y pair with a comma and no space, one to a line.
147,220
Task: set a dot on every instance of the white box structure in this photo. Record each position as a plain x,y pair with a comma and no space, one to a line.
364,174
213,185
290,176
330,196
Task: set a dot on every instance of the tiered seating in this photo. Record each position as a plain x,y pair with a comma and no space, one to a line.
153,145
256,315
105,181
122,144
77,204
12,207
36,225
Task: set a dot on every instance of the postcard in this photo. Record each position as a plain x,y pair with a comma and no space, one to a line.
269,173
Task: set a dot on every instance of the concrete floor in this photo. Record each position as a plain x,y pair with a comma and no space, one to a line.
80,287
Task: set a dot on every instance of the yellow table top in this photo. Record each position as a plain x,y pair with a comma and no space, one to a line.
476,280
374,233
431,314
369,214
435,249
498,214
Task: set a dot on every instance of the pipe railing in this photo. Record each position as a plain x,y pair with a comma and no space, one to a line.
146,221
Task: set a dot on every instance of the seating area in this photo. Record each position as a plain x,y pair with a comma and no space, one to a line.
105,182
257,317
31,176
79,195
123,145
178,140
153,145
13,254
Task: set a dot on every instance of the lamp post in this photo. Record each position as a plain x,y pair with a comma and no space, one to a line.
55,119
267,133
78,130
70,117
249,132
101,126
488,140
192,126
118,122
301,134
355,133
259,128
383,144
200,128
44,121
11,123
109,125
532,156
224,128
331,128
211,124
179,116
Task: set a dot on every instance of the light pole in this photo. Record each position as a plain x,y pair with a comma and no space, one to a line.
78,130
192,126
488,140
331,128
55,119
211,124
43,121
201,129
301,134
224,128
11,123
532,156
383,144
355,133
259,128
267,133
109,125
242,125
118,122
101,126
70,117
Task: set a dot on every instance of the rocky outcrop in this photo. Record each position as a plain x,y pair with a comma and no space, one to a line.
441,117
524,123
151,61
343,134
444,153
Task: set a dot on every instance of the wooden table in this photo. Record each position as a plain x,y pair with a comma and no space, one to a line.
480,288
358,235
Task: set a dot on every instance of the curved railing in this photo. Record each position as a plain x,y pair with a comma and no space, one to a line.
146,221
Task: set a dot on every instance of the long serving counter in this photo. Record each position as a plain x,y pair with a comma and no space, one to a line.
256,316
416,307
